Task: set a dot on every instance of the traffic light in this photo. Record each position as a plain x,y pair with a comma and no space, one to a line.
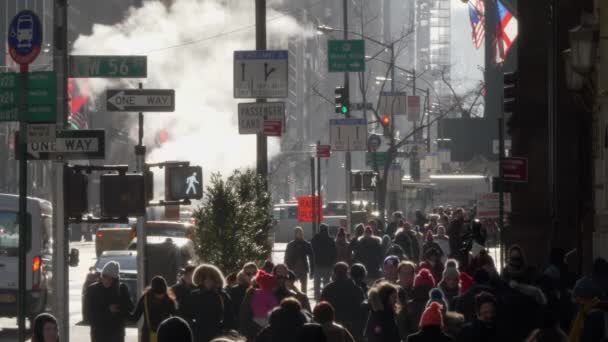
342,101
509,103
386,125
363,180
122,195
75,196
183,182
149,185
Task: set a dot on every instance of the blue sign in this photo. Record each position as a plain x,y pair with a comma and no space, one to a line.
373,142
347,122
25,37
261,54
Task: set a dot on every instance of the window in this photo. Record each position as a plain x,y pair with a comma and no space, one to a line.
9,231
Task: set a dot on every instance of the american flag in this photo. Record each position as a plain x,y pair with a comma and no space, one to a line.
506,32
478,21
77,119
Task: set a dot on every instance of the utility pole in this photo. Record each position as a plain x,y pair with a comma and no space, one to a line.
313,190
427,111
61,307
260,44
140,160
319,206
347,160
501,191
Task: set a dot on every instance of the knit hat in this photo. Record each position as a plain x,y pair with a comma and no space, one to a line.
424,278
585,288
174,329
158,285
432,316
392,259
437,296
451,270
466,282
265,280
111,269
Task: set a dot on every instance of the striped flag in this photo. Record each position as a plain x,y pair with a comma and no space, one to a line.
478,21
506,32
77,119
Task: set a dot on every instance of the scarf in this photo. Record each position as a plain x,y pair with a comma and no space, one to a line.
579,321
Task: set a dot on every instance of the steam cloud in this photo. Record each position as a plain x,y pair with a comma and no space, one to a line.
204,127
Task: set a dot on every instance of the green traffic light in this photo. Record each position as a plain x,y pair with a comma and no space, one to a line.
344,109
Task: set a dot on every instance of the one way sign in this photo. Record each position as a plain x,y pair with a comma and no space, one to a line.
140,100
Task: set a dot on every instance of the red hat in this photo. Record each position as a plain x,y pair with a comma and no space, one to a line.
466,282
265,280
432,315
424,278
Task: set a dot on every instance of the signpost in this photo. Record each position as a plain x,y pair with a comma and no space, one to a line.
514,169
108,66
392,103
41,97
305,208
24,43
260,74
69,145
346,55
140,100
253,115
348,134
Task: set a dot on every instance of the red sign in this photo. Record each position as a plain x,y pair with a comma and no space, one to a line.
323,151
305,208
413,108
515,169
273,128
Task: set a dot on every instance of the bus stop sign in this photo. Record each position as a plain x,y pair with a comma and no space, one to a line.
25,37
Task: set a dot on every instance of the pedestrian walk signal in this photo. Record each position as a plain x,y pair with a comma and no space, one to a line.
183,182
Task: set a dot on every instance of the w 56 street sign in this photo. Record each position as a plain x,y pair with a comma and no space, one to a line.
108,66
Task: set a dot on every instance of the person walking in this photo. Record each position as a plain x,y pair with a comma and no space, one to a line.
370,254
109,305
209,308
395,223
324,250
299,257
423,283
589,323
517,268
174,329
324,315
155,305
346,299
450,282
343,251
285,323
381,325
431,324
45,328
237,292
290,283
443,241
354,241
485,326
407,239
181,290
456,230
358,274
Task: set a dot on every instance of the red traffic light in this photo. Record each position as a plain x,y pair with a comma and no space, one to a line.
386,120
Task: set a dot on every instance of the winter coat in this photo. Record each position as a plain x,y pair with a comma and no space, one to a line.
299,257
370,254
416,306
524,274
392,229
430,334
465,304
450,294
181,290
354,248
444,243
105,324
548,335
158,311
346,298
408,240
237,294
343,252
436,271
405,323
210,313
382,327
455,231
481,332
336,333
283,325
324,249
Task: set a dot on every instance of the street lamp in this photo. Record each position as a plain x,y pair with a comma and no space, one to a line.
583,44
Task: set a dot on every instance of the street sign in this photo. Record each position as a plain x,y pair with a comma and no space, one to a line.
323,151
140,100
374,159
348,134
395,174
25,37
346,55
392,103
183,182
260,74
37,133
253,115
108,66
413,108
273,128
306,205
361,106
488,204
70,145
373,142
515,169
41,97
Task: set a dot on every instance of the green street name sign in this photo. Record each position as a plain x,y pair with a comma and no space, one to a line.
41,97
376,158
108,66
346,55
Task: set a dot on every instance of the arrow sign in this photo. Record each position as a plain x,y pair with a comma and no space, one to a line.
140,100
69,145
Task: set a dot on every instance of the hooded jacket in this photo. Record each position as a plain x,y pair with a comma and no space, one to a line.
381,325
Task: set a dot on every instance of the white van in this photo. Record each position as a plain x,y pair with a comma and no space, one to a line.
39,252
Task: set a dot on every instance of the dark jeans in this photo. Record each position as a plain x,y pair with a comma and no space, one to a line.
322,278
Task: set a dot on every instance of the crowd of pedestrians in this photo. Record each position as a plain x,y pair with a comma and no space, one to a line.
429,280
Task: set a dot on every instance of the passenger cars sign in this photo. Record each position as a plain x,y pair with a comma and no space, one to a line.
260,74
306,205
253,115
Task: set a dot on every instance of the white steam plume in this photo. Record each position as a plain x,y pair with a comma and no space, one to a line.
203,129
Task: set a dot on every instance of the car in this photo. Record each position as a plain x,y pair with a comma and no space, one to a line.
167,229
128,273
112,237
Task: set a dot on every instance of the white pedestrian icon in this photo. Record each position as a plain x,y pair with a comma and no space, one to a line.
191,181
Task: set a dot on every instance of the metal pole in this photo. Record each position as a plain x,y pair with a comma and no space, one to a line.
260,44
501,199
61,302
140,160
23,231
319,207
427,111
347,159
313,190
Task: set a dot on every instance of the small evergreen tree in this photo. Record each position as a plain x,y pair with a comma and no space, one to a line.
234,220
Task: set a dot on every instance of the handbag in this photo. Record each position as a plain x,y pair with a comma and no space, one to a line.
153,337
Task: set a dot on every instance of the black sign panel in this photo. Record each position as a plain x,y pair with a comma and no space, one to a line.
122,195
140,100
68,145
184,182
